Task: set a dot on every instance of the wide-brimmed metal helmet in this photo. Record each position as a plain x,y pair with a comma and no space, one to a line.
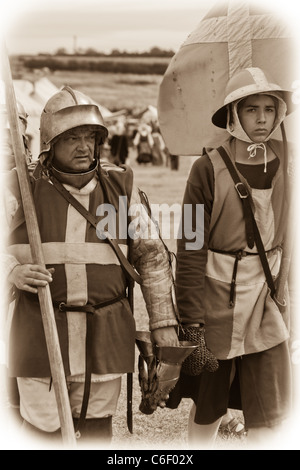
66,110
246,82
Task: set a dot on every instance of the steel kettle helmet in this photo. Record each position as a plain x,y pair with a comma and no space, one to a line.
66,110
246,82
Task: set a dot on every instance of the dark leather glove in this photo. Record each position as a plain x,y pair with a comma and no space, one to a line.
201,358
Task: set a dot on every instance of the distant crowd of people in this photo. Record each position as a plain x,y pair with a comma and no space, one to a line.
144,138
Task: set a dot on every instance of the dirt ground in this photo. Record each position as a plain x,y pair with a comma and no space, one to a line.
164,429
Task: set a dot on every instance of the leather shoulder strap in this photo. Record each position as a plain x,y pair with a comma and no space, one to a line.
252,230
243,195
129,270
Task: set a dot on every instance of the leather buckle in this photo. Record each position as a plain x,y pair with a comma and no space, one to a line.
241,190
60,307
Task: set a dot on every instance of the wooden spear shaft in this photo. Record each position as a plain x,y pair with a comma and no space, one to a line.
286,259
289,238
44,294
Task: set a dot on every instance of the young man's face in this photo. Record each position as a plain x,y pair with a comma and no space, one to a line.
257,115
74,150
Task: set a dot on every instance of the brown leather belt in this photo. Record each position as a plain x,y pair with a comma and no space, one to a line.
89,310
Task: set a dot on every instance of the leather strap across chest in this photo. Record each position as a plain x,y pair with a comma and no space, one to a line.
252,231
129,270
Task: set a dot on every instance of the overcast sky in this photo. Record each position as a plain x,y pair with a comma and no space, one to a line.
32,26
132,25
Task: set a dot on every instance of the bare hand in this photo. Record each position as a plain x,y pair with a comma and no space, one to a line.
165,336
30,276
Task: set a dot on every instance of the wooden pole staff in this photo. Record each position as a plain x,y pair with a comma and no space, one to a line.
289,239
44,294
286,259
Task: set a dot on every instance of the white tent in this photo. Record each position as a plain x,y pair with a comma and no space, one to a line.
150,115
24,91
43,89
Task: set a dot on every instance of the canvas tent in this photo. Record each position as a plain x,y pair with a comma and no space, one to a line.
33,104
149,115
232,35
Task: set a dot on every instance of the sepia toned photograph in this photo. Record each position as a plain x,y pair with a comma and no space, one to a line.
149,225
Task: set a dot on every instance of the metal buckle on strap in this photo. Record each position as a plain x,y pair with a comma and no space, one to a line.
241,190
60,307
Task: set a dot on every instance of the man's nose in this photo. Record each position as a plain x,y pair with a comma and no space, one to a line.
82,144
261,116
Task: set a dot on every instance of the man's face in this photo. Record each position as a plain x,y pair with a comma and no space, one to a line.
74,150
257,115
